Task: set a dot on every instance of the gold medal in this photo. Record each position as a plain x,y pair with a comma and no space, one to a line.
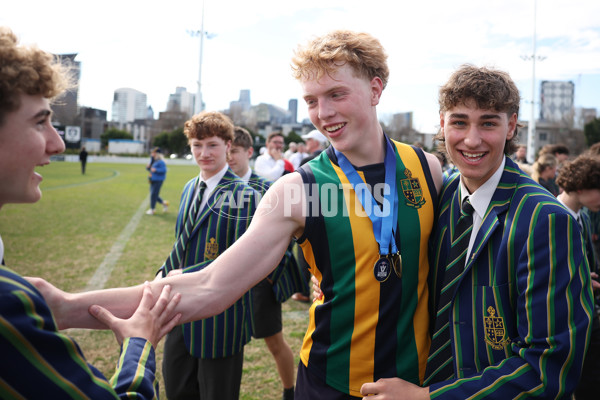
396,261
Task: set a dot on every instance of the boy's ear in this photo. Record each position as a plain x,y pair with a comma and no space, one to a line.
376,90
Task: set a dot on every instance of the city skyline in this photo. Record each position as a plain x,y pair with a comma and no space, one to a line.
147,47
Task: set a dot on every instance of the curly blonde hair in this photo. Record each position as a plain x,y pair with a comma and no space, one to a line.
207,124
28,70
325,54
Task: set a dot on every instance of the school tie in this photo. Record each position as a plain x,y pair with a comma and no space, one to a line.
174,259
439,364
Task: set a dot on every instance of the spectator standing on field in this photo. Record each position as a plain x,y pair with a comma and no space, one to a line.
158,174
83,155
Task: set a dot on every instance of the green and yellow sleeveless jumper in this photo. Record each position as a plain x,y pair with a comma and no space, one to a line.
364,330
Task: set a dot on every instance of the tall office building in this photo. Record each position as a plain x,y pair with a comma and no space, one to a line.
182,101
245,99
557,101
128,105
293,109
239,107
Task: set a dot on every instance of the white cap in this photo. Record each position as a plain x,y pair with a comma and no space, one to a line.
315,134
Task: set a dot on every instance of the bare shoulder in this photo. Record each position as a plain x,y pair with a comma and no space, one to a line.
283,204
436,170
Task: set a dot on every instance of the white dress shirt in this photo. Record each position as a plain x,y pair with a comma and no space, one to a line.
480,200
576,215
211,184
269,168
296,158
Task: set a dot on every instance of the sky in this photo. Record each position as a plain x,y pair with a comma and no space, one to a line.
146,45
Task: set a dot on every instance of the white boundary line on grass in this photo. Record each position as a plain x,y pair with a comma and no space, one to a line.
103,272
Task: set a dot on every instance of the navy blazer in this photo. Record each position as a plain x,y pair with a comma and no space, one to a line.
39,362
221,222
520,315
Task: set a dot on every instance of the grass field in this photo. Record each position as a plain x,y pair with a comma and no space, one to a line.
67,235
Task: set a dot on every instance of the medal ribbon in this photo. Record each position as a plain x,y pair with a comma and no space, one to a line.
383,226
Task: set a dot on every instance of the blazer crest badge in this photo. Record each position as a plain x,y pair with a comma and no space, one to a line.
495,334
211,250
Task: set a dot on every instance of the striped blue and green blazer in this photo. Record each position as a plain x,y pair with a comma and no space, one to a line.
520,315
38,362
222,221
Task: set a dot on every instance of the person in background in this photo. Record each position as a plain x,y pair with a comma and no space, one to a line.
158,174
38,361
559,150
315,144
267,295
292,148
203,358
83,155
544,172
580,183
520,155
594,150
299,155
272,165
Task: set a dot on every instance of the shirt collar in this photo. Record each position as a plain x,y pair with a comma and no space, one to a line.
573,213
247,175
214,180
481,198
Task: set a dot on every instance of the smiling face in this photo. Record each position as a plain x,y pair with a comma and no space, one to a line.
475,140
27,140
342,107
210,154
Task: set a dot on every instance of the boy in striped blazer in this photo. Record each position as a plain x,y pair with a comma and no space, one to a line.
517,320
38,361
204,358
265,307
580,183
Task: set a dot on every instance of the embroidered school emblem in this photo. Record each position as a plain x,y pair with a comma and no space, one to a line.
494,330
411,188
211,251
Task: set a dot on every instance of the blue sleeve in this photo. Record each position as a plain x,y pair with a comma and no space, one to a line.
45,363
134,377
160,167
